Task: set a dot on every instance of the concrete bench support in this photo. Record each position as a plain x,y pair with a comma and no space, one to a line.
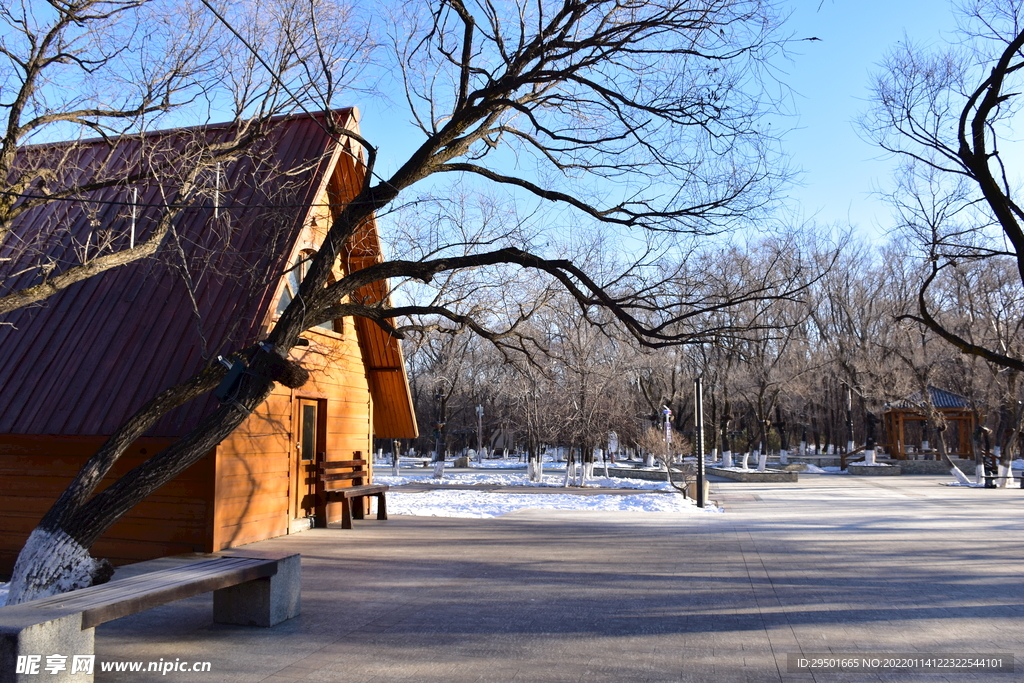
263,602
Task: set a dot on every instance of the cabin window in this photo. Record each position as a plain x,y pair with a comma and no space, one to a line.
307,444
293,278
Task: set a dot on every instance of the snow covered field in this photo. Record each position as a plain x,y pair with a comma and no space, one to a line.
651,496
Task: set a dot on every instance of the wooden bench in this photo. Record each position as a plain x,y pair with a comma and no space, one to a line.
251,588
357,474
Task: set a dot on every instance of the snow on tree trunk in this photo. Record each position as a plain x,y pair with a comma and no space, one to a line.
869,456
783,456
803,448
746,457
1001,481
52,563
714,455
588,472
439,469
649,462
959,476
726,458
535,470
979,474
762,460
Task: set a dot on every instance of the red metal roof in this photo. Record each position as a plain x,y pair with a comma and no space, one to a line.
83,360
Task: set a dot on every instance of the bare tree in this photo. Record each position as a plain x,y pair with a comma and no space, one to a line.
661,96
949,115
116,68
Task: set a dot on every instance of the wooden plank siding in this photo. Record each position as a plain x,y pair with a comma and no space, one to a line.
255,464
34,470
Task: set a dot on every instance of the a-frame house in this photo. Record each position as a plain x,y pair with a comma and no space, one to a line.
78,364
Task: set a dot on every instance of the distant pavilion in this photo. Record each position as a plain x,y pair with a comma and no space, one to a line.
905,420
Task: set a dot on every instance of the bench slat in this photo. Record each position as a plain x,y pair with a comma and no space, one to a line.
342,463
340,476
356,491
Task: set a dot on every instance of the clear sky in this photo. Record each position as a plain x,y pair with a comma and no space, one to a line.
829,78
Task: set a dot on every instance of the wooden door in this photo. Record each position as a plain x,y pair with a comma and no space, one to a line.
309,452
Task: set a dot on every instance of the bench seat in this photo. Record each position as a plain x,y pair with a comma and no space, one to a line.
345,495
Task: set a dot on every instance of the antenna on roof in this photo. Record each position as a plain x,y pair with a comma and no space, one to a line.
135,201
216,193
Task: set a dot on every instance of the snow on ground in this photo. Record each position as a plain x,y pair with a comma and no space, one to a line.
814,469
483,504
658,496
552,478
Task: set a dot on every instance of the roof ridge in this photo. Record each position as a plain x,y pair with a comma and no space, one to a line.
198,128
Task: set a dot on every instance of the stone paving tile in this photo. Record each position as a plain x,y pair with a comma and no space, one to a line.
830,564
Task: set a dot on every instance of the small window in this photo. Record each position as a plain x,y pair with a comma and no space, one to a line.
308,443
292,279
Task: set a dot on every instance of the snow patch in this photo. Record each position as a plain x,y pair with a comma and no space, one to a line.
483,505
520,478
814,469
447,502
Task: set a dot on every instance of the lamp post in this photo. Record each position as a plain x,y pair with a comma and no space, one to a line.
438,426
698,438
667,414
479,433
849,419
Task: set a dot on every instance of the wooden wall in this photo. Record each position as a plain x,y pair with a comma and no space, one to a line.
248,476
34,470
252,476
254,466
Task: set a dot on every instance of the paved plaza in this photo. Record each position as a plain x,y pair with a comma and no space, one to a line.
831,564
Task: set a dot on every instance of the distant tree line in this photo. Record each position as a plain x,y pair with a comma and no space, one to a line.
778,371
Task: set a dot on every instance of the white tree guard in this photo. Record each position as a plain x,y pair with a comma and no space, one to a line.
50,563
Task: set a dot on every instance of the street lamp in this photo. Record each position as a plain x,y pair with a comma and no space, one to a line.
438,425
849,419
667,414
698,407
479,433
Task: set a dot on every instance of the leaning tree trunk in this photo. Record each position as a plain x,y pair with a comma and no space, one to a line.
940,445
56,556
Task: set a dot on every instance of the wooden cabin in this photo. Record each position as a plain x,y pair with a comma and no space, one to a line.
904,424
81,362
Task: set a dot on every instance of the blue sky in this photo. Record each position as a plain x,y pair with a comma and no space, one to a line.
829,79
